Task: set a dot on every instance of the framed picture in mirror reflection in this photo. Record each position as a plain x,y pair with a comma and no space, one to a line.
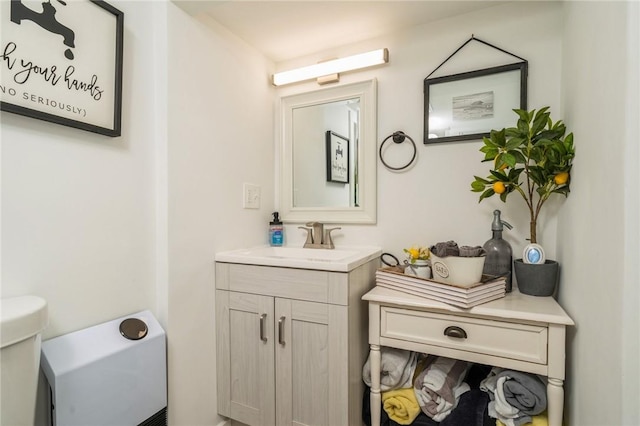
337,157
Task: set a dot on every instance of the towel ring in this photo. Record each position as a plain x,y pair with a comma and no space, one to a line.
398,137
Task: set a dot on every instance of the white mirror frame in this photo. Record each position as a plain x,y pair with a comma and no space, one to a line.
366,91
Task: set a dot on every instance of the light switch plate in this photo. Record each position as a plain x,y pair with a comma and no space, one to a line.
250,196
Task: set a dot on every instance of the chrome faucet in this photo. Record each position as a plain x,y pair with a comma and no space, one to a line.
317,236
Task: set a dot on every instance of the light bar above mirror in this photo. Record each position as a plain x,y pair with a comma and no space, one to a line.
335,66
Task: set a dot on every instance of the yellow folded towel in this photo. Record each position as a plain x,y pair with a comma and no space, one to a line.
540,420
401,405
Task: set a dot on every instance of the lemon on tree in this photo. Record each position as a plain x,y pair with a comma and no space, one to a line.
561,178
498,187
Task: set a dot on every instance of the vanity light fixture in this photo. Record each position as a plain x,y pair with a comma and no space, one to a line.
335,66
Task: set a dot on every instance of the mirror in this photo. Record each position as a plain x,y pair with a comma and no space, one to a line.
328,155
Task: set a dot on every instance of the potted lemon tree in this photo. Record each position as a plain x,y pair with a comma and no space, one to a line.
532,159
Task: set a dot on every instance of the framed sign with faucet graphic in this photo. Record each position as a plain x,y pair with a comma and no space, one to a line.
337,157
61,61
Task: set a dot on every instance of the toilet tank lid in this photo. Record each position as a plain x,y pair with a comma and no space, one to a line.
21,317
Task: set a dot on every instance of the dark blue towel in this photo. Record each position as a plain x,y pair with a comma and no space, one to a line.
471,409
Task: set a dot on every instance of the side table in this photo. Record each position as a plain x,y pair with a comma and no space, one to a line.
518,332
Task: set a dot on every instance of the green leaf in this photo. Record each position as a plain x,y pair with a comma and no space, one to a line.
537,176
519,156
489,148
523,114
514,132
568,143
477,186
541,190
514,142
509,159
550,134
484,181
499,175
541,112
564,190
539,123
489,153
514,174
486,194
523,126
488,143
536,154
503,196
498,137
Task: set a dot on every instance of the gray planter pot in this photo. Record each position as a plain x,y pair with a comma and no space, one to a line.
536,280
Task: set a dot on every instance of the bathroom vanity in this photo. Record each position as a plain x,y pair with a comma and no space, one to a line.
292,334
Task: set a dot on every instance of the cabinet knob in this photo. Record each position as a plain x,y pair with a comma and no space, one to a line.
454,331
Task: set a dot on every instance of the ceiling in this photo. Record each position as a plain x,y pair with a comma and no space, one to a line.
284,30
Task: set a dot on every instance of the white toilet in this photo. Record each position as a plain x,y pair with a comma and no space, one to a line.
22,319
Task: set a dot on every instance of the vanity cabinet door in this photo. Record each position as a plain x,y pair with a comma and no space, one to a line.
245,357
311,363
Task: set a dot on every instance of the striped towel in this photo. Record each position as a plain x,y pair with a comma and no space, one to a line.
439,386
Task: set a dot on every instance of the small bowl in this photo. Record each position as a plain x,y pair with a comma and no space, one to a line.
457,271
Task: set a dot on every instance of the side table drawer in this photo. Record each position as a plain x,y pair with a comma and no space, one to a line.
498,338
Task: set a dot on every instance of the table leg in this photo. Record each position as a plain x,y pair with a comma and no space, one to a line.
555,401
375,399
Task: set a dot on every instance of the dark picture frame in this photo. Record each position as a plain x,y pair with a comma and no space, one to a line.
63,63
467,106
337,147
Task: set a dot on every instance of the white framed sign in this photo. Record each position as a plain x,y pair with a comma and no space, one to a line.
61,61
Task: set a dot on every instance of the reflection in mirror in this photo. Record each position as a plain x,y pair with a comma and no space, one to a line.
328,155
340,119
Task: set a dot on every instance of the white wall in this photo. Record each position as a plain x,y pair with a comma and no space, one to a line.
310,185
207,138
103,227
432,201
598,228
219,136
590,51
78,209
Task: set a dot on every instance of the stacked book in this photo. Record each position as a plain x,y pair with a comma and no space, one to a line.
465,296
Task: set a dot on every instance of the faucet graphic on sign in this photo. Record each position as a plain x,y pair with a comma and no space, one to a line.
45,19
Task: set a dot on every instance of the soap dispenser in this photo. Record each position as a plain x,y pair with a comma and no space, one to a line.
276,231
499,259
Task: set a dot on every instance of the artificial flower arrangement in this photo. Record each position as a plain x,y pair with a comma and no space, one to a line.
417,253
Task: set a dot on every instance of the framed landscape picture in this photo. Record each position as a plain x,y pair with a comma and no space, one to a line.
469,105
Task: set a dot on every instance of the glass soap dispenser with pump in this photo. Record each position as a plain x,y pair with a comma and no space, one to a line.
499,259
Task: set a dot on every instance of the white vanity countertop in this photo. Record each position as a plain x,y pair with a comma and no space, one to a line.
340,259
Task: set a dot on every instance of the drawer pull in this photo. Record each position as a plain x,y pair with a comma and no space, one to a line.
281,330
263,325
457,332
